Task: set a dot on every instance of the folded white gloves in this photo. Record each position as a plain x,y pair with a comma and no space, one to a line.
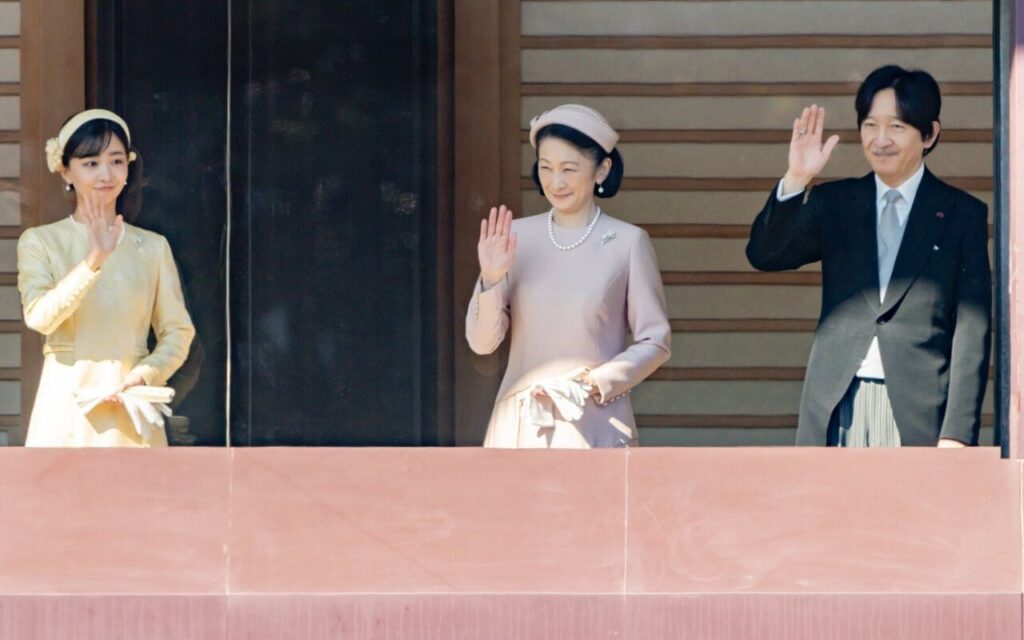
567,395
144,404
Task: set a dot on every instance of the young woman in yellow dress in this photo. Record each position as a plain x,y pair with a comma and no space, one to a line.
95,286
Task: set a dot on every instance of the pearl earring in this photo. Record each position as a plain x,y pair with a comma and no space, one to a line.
600,188
67,187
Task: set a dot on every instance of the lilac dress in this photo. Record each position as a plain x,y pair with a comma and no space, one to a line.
599,306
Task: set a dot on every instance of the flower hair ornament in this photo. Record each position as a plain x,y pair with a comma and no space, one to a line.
55,146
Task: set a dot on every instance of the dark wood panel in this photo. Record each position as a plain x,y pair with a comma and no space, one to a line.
637,89
481,34
510,76
767,325
808,41
446,338
10,42
10,232
798,278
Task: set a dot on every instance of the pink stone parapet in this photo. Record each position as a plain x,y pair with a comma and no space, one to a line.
423,544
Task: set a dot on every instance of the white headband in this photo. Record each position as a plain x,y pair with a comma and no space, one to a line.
55,146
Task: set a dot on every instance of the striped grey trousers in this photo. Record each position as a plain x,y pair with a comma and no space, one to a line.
864,417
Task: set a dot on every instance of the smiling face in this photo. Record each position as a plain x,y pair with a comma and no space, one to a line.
568,175
104,173
893,148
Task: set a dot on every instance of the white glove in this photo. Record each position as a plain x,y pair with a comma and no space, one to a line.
567,395
144,405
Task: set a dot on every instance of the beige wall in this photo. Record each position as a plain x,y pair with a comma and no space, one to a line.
707,90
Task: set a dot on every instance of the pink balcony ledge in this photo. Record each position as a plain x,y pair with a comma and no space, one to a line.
418,544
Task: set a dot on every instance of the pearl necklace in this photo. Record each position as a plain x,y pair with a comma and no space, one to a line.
562,247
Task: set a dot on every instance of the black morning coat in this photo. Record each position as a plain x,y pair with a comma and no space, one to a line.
933,327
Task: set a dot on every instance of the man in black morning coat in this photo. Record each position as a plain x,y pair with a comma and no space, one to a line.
901,352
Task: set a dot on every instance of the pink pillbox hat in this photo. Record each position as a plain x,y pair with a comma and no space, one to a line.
583,119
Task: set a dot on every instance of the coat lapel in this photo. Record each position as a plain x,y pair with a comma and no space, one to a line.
924,227
862,239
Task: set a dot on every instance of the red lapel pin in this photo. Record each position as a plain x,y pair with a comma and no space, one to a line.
939,214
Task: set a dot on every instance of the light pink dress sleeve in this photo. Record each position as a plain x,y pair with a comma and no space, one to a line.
648,321
487,320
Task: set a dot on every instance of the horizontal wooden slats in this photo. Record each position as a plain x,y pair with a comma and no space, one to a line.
712,136
838,18
728,373
736,421
736,373
758,160
627,2
744,113
678,78
821,65
968,183
809,41
799,278
715,421
669,230
726,89
686,207
733,302
743,325
695,230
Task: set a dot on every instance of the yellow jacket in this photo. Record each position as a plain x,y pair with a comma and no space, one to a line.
97,323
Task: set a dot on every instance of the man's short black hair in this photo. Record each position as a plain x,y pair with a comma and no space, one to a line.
918,100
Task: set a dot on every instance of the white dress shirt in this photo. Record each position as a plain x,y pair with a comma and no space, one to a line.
871,365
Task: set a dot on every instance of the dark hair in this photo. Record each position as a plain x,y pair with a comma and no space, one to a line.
91,139
587,147
918,100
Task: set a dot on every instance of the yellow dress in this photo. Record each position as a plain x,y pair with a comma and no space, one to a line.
96,326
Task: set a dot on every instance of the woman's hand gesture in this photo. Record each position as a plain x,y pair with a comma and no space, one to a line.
497,247
103,236
807,155
133,380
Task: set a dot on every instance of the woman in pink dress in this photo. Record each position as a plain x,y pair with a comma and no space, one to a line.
580,292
